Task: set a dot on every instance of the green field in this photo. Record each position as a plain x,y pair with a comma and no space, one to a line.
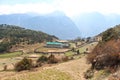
10,55
82,49
89,46
69,54
72,45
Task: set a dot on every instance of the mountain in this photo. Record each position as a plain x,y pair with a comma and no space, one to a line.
14,35
55,23
94,23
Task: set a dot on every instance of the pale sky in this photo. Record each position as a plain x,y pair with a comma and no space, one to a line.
69,7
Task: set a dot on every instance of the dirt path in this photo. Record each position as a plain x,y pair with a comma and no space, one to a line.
75,68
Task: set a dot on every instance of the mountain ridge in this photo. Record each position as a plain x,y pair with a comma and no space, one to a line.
55,23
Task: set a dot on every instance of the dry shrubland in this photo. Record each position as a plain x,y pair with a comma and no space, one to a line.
105,55
28,64
24,64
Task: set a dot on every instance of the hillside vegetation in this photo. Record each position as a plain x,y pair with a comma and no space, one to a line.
11,35
106,55
111,33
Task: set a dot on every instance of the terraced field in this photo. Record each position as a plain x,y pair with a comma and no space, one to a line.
71,70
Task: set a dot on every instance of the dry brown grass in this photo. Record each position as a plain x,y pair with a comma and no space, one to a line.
71,70
48,74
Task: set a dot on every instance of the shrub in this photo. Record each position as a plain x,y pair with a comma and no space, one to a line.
110,34
42,59
105,56
78,52
5,67
65,58
91,57
105,61
24,64
73,49
37,64
52,59
71,58
89,74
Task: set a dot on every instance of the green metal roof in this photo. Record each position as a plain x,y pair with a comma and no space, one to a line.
55,43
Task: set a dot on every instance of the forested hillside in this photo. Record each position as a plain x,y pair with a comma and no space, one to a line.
12,35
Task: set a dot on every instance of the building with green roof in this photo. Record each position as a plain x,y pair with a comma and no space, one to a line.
57,45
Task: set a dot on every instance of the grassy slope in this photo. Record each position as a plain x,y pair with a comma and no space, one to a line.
69,54
83,49
71,70
101,75
10,55
48,74
89,46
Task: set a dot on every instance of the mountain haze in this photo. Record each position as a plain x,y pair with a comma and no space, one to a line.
91,24
55,23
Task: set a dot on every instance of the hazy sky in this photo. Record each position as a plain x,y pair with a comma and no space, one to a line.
69,7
